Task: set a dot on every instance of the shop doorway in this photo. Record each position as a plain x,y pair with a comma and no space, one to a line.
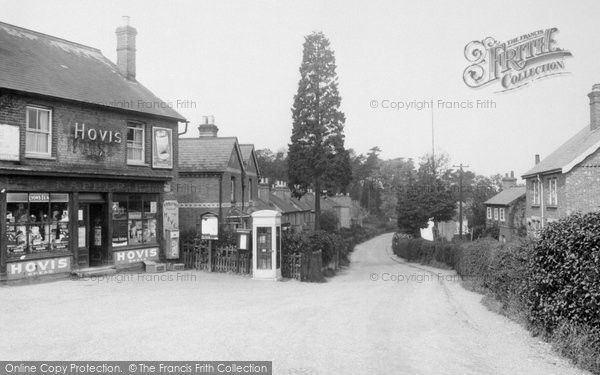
92,225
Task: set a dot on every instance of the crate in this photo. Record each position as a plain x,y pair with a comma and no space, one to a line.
154,267
175,266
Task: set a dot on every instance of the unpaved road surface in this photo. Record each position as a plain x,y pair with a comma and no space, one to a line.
380,316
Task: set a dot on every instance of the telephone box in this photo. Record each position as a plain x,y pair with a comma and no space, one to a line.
266,241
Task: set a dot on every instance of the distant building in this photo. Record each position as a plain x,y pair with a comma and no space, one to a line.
568,180
507,209
451,229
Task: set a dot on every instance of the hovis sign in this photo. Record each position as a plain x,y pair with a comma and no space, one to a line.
134,256
19,270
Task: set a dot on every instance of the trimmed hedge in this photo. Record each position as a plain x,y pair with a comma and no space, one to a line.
565,273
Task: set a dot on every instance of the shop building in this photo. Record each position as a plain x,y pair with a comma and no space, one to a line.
87,157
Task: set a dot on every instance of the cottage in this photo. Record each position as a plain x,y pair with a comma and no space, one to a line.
211,180
84,169
568,180
506,210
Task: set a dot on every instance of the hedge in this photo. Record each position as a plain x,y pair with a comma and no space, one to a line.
551,283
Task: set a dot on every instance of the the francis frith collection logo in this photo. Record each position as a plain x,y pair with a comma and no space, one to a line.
514,63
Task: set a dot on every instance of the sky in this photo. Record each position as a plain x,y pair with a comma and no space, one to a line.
239,62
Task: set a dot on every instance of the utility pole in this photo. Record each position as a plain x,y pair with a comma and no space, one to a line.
460,199
432,145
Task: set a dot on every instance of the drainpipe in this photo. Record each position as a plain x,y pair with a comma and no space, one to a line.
540,181
185,130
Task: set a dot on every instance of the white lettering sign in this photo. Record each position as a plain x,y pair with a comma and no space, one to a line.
106,136
19,270
137,255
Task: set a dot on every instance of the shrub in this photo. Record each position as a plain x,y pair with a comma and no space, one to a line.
328,221
565,273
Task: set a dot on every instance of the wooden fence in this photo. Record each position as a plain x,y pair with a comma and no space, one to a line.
301,267
291,266
224,259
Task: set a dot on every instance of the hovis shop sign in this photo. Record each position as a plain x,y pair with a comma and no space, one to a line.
20,270
134,256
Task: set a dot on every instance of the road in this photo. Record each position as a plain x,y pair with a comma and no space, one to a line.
379,316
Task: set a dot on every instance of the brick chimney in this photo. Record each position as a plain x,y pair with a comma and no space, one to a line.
281,190
264,190
208,127
126,49
537,159
595,107
509,181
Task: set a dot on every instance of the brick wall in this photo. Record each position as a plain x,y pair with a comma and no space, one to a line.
583,186
578,191
97,155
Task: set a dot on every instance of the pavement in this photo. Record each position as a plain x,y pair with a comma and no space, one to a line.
378,316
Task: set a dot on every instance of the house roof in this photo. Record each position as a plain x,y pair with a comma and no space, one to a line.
209,154
285,205
41,64
247,151
569,154
507,196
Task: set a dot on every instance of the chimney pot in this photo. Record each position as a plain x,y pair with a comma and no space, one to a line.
537,159
208,127
509,182
126,49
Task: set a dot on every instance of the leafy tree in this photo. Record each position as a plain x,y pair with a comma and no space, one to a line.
317,158
272,165
411,215
427,197
328,221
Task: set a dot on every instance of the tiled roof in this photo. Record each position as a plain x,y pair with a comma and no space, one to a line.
210,154
575,150
506,197
37,63
246,151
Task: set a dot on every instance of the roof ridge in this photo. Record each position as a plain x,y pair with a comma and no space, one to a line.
51,37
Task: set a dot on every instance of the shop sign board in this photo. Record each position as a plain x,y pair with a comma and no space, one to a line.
38,267
9,142
135,255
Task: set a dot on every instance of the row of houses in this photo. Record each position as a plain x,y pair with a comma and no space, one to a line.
565,182
93,168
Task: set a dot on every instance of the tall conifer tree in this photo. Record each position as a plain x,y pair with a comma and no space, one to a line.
317,158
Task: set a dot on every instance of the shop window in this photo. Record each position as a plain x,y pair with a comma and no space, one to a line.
36,223
134,219
135,143
39,132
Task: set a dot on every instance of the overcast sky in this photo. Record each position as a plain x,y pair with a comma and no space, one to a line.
239,60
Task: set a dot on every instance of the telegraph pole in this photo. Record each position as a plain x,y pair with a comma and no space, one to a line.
460,199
